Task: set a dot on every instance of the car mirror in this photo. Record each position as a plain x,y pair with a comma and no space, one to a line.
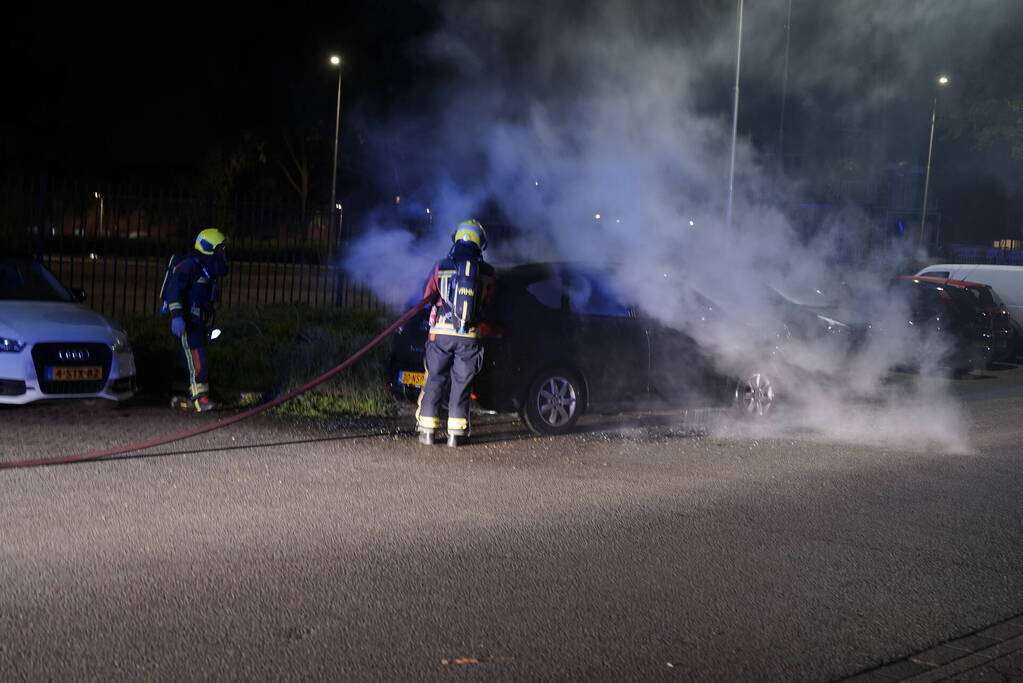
78,294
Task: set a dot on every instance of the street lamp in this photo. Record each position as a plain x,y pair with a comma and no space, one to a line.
336,61
735,118
943,80
99,225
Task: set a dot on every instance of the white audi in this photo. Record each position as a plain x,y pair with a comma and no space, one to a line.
51,346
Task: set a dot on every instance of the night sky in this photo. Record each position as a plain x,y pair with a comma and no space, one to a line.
159,99
90,93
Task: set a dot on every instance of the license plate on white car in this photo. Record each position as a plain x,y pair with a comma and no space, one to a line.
77,373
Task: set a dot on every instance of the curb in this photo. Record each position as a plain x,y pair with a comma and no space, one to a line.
948,659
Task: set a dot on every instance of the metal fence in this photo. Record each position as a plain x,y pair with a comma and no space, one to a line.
965,253
115,244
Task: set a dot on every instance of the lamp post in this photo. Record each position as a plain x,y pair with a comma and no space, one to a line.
735,120
942,81
331,238
336,61
784,90
99,224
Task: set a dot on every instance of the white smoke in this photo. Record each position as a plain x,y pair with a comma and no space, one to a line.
563,113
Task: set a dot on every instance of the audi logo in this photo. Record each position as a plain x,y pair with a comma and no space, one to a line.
73,354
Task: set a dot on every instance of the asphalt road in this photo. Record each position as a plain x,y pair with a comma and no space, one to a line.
646,547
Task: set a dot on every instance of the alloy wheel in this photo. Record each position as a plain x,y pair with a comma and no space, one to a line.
754,396
557,401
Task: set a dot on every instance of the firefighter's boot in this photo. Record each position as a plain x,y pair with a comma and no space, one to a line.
426,436
457,439
203,403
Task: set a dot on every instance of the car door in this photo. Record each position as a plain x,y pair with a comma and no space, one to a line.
610,344
681,371
525,331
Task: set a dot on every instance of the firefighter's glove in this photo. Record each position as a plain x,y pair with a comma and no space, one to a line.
177,326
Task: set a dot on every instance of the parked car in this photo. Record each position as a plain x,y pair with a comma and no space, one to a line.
1006,284
819,321
953,312
559,342
52,346
1006,281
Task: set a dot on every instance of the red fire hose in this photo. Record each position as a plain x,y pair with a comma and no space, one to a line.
159,441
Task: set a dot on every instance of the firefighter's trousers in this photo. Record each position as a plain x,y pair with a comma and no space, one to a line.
193,352
452,362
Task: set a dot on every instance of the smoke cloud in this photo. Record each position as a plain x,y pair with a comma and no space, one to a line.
597,130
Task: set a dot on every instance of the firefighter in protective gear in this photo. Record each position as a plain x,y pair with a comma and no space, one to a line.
191,292
454,354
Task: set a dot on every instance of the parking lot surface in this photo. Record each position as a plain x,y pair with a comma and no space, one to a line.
646,546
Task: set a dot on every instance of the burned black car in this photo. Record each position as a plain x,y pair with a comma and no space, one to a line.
558,342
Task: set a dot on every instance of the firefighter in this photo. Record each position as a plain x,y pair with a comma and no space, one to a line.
460,286
191,291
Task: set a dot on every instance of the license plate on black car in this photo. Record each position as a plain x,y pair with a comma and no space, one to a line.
416,379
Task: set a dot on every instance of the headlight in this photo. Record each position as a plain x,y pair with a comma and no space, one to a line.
12,345
120,344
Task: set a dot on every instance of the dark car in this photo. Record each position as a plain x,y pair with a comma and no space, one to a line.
1003,334
558,342
956,313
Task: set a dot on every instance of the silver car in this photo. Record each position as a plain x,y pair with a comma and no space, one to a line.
53,347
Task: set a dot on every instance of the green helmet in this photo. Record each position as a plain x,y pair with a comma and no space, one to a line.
207,241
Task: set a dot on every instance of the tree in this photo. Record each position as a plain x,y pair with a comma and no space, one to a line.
229,168
297,161
998,123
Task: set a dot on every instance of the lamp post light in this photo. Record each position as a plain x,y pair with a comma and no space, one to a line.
735,118
943,80
335,214
99,224
336,61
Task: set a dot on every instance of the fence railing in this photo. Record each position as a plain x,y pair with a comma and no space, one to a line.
115,244
963,253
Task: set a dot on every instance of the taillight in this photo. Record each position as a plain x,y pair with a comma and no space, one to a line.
490,331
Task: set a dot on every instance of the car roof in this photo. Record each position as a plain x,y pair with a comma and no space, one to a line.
977,266
528,270
963,284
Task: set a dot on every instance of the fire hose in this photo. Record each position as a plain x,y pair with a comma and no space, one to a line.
159,441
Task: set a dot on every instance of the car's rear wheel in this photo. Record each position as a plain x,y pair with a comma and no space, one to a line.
554,402
755,395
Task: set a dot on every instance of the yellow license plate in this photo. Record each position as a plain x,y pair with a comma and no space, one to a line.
75,374
416,379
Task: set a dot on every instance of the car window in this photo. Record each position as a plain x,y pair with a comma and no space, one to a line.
936,273
982,295
547,291
589,295
966,304
923,299
29,282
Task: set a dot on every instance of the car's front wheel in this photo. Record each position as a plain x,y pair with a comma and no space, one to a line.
755,395
554,402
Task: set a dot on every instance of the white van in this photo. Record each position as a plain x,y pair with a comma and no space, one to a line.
1007,281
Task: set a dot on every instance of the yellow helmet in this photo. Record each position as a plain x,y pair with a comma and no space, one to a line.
471,231
207,241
